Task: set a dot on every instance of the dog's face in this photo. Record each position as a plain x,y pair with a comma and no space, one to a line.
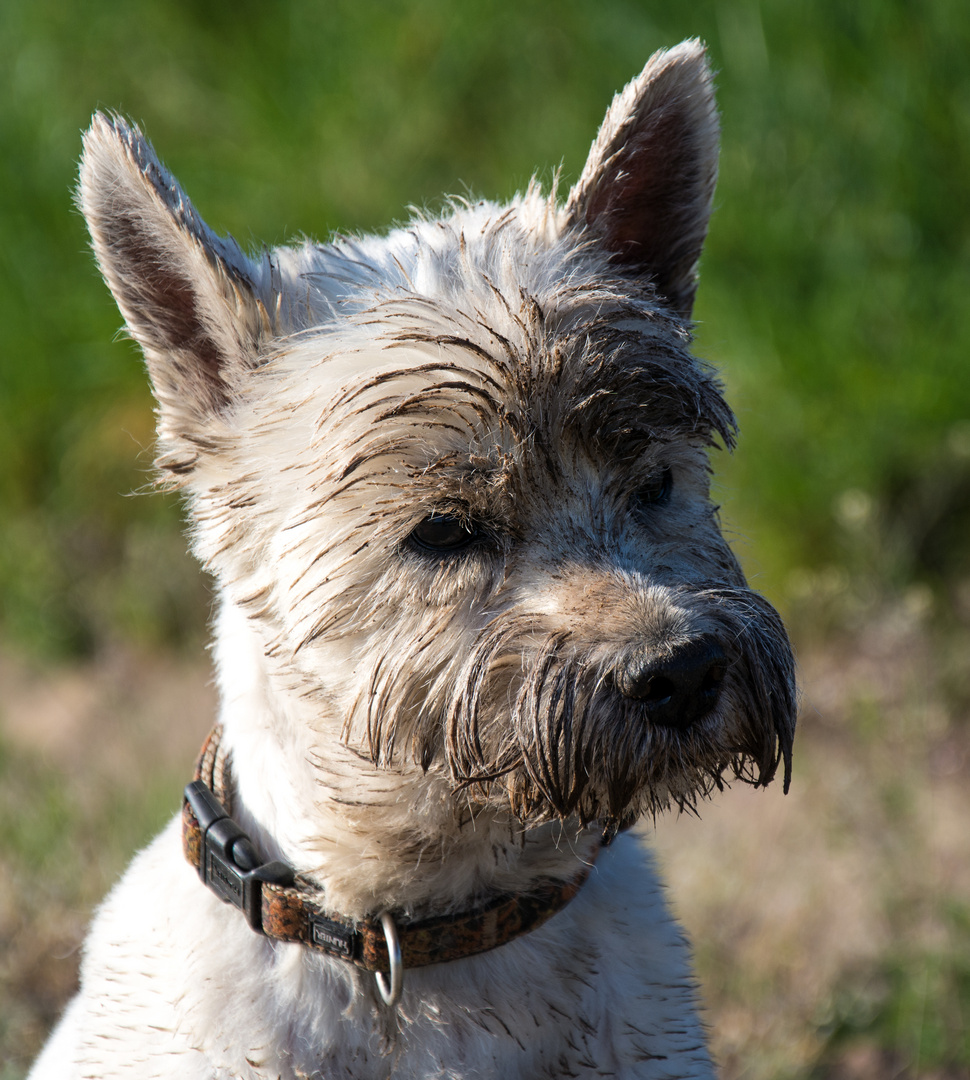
458,478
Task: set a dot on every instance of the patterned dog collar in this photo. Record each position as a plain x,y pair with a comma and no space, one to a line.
279,903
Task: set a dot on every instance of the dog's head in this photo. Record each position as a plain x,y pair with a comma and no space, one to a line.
458,477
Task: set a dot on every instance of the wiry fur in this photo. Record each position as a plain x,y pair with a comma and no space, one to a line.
416,730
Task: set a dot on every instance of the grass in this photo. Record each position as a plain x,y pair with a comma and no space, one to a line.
913,1004
60,847
76,802
833,290
832,934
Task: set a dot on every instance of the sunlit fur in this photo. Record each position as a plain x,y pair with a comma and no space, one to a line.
413,728
533,407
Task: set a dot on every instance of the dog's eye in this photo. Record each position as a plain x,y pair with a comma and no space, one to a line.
655,492
442,532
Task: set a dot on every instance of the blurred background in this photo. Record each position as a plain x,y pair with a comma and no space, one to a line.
831,927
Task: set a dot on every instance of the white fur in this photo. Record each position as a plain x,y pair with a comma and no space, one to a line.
175,986
342,654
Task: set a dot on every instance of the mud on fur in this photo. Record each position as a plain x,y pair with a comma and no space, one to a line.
475,612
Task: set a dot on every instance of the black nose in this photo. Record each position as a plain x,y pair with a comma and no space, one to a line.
677,687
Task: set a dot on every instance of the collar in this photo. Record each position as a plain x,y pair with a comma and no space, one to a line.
281,904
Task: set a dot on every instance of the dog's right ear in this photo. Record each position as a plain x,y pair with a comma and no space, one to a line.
645,192
191,299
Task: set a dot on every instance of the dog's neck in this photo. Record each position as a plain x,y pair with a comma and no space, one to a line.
373,838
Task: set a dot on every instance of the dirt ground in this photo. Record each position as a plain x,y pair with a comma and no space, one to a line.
830,927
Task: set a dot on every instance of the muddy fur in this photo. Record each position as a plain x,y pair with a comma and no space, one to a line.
475,610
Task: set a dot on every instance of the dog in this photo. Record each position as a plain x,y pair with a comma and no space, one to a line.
475,617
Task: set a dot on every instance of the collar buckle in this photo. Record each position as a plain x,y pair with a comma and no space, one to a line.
229,864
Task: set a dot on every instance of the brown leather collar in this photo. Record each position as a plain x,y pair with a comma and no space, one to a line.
279,903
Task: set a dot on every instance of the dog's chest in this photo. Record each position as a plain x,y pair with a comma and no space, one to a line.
601,989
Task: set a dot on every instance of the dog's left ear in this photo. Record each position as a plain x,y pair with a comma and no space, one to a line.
191,299
646,189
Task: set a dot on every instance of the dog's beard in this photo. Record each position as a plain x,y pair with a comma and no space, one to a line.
533,720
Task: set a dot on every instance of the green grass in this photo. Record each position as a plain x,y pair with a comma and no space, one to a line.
914,1004
833,290
909,1009
65,839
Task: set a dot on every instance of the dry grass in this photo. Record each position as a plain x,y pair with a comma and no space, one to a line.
75,802
831,927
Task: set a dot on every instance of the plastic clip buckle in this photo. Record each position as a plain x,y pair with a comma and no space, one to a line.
229,865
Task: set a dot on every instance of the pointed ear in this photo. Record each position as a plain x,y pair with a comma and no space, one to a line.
646,189
190,298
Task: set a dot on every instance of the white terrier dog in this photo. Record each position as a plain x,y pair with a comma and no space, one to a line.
475,616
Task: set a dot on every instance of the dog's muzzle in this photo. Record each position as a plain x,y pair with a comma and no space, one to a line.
677,687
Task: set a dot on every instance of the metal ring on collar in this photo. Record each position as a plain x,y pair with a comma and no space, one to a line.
391,996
